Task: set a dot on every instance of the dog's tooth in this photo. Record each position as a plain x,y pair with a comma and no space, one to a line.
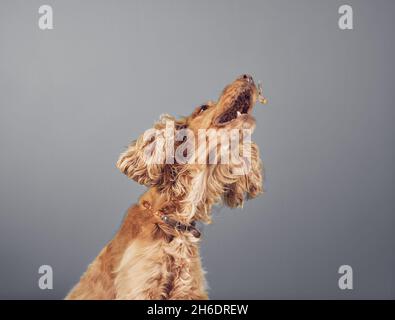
238,113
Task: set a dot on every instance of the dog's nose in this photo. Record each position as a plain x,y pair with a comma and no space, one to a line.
248,78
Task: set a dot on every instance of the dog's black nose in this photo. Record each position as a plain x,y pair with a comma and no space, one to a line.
247,77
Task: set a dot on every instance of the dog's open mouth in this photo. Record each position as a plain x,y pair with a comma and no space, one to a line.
240,106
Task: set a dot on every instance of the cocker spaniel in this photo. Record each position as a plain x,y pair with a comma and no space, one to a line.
188,165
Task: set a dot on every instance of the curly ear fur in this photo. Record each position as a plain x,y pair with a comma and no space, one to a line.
142,161
132,163
220,184
246,186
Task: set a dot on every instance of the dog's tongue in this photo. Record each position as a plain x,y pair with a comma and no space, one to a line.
261,98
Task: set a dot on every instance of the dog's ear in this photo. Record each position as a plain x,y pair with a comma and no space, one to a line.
144,159
248,185
255,178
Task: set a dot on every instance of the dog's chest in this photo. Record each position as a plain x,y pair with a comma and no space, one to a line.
159,269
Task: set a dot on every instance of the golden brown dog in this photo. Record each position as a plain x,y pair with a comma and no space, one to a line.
155,254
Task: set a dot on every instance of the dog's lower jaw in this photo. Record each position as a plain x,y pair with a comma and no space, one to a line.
141,262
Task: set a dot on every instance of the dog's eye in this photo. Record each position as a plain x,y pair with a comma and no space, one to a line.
180,126
203,108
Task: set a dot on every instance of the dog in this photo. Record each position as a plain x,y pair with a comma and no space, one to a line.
155,253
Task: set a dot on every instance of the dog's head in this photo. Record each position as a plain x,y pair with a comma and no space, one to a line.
233,109
204,158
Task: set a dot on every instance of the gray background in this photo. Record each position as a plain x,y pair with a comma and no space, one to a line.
72,98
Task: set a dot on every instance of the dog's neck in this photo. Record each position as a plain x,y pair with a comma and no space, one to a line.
185,204
166,212
185,197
